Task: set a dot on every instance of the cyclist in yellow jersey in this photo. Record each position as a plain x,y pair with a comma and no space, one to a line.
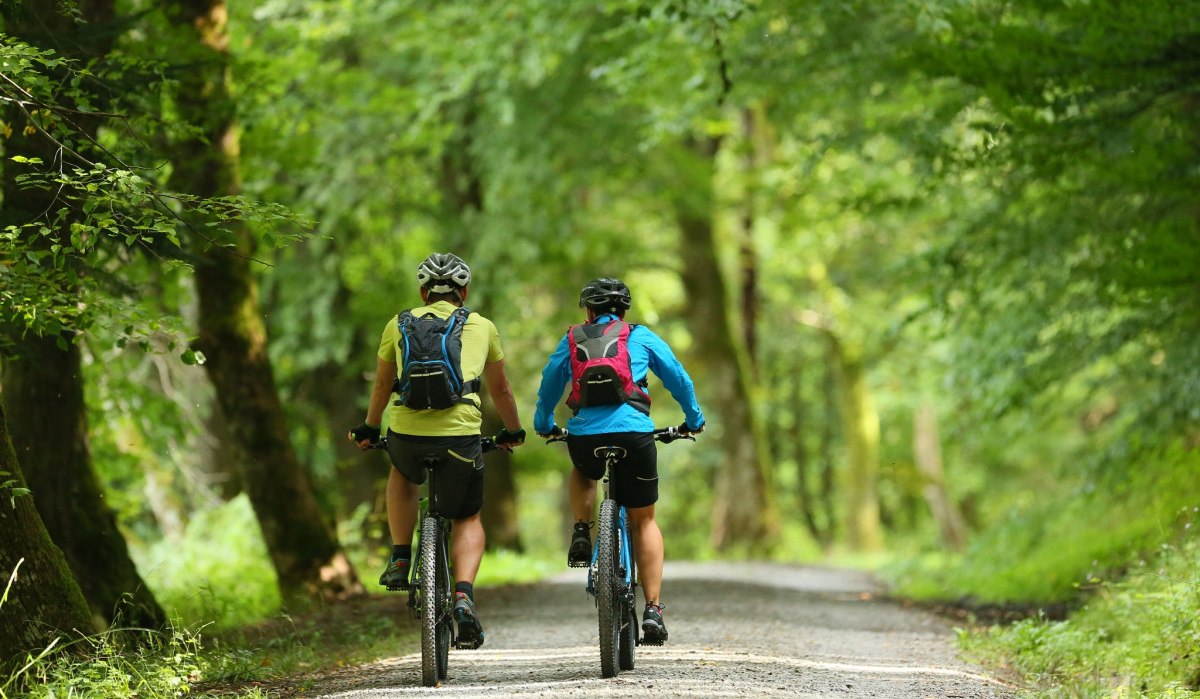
444,424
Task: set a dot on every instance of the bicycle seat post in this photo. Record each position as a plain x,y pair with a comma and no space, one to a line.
611,456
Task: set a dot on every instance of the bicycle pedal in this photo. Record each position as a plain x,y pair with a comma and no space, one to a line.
648,642
577,564
398,588
468,645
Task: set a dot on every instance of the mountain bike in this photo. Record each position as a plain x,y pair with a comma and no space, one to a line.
612,573
431,593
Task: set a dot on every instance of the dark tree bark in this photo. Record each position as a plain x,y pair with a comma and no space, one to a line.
744,515
827,464
303,547
44,601
44,389
748,297
799,451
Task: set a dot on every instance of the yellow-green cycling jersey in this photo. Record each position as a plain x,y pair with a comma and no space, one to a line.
480,345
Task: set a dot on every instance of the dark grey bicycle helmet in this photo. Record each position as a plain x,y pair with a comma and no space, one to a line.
605,294
443,273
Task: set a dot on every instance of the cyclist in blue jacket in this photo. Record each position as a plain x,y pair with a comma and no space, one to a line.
605,362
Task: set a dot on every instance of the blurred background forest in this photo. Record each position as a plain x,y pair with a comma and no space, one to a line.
934,266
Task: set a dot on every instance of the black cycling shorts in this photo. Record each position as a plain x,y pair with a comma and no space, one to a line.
458,462
635,476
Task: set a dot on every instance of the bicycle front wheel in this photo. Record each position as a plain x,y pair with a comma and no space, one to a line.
435,634
608,603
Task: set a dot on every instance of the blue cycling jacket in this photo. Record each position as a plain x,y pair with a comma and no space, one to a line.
647,352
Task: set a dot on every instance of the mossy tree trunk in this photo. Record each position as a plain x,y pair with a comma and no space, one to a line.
744,515
302,544
44,602
860,428
44,386
43,390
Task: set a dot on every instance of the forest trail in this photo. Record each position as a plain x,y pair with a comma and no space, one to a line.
737,630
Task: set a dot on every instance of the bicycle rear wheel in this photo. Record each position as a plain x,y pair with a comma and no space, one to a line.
445,627
608,602
435,634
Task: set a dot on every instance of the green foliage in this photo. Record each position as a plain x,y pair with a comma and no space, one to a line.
117,663
1138,636
218,572
1048,549
10,484
96,209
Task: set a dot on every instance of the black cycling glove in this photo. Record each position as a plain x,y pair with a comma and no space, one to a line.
504,437
365,431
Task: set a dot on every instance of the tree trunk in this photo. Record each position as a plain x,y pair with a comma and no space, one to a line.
302,544
43,389
44,602
860,425
927,452
825,449
744,513
748,298
799,452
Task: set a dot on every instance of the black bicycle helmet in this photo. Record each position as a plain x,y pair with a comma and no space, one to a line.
443,273
605,294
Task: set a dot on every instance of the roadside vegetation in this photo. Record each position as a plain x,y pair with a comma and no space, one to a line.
1095,593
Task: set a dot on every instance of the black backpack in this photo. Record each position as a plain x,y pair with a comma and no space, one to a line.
430,359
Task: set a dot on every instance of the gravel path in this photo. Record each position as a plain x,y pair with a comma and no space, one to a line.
737,630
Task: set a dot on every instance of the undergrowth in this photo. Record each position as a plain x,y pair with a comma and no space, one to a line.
117,663
1138,636
1120,557
232,635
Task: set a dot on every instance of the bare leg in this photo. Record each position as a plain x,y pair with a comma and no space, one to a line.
583,495
402,507
466,547
648,545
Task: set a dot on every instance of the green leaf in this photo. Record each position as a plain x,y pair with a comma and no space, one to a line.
192,357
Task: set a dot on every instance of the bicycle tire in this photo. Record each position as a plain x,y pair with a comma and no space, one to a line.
627,654
445,627
608,605
432,604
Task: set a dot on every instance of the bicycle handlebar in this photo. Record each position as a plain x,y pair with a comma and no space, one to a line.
486,444
666,435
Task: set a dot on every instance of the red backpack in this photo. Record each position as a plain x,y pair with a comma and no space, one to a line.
601,372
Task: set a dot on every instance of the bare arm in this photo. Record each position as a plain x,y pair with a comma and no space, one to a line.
502,395
385,375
